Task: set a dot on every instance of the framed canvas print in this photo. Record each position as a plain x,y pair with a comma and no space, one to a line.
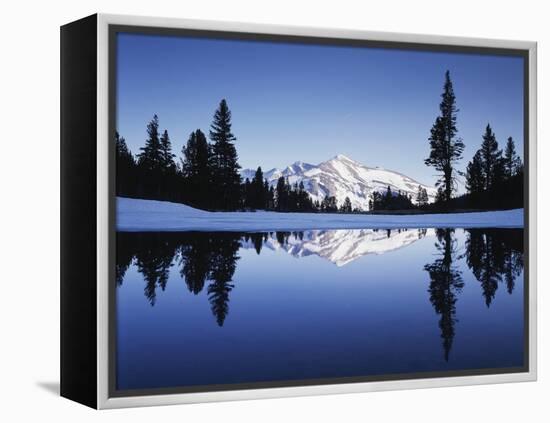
254,211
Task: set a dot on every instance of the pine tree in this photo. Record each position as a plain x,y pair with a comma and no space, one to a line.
295,194
490,156
226,177
475,176
151,157
387,198
248,197
268,195
282,194
425,198
511,159
125,165
196,169
304,200
346,206
445,148
167,157
258,196
124,155
421,196
329,204
376,201
271,196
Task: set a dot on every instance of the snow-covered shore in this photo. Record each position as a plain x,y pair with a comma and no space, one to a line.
134,215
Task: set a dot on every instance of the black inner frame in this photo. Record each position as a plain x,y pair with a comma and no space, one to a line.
113,31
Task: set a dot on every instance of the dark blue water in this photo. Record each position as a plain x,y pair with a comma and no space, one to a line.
224,308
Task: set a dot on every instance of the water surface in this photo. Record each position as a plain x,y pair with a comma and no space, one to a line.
205,308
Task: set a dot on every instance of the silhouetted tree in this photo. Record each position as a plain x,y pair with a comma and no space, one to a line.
151,157
511,160
247,193
490,157
125,168
445,148
346,206
493,180
421,196
281,194
329,204
167,157
196,169
390,200
270,196
475,176
304,202
225,172
257,190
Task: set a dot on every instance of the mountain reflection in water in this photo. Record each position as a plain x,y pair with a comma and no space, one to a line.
445,260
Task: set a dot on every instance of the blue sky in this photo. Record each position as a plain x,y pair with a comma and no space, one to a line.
310,102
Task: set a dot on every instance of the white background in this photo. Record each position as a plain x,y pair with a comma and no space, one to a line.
29,206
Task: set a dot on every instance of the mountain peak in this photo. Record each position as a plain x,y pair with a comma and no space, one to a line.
342,157
343,177
298,166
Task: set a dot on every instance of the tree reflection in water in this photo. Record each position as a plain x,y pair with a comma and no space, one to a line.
445,283
495,256
209,259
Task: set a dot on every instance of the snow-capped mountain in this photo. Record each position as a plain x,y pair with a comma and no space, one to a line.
343,177
342,246
272,175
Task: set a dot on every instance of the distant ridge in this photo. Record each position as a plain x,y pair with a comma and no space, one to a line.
343,177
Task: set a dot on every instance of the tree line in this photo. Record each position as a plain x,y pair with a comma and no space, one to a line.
494,179
207,176
391,200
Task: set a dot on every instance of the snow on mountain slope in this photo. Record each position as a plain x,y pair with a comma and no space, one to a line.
344,246
296,168
343,177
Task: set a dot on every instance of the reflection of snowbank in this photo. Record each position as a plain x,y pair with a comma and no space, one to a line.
344,246
148,215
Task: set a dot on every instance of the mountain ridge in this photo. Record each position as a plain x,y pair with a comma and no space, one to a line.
341,177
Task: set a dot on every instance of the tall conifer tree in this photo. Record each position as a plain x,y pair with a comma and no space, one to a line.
226,177
258,194
167,157
445,147
282,195
125,167
151,155
511,159
196,169
475,177
490,156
